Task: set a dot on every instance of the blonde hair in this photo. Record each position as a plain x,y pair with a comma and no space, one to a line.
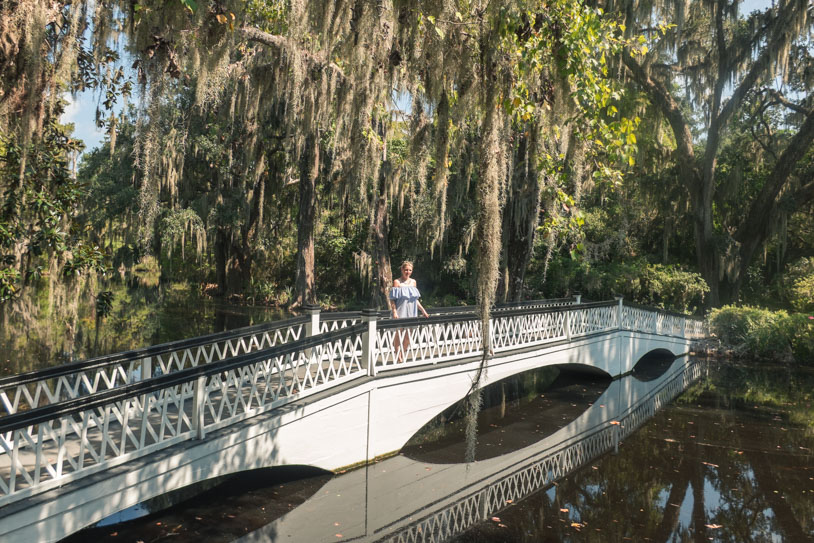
406,263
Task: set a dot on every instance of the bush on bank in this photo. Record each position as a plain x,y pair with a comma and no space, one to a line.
757,332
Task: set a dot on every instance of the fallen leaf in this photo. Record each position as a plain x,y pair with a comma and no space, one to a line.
563,510
713,526
615,423
496,519
710,465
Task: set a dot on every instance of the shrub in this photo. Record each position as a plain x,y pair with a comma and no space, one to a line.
797,285
669,287
753,331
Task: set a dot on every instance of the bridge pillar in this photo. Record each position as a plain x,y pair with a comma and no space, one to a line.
369,340
620,312
577,298
312,326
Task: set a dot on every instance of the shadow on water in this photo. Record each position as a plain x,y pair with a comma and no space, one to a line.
653,365
516,412
221,509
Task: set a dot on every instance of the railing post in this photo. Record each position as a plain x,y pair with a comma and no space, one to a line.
312,326
199,393
577,298
619,310
146,368
146,373
567,323
369,340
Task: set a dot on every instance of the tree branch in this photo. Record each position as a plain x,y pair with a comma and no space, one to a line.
752,230
284,44
671,110
779,33
780,99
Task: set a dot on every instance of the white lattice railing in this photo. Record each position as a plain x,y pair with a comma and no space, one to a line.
81,379
91,417
51,445
481,502
401,343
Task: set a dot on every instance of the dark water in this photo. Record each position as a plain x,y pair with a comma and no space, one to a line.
729,460
38,337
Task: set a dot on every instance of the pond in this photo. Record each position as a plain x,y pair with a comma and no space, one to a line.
39,337
551,456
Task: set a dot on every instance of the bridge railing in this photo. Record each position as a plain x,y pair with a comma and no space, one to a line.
401,343
75,380
78,379
48,446
53,443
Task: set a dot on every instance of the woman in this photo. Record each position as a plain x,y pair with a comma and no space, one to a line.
404,302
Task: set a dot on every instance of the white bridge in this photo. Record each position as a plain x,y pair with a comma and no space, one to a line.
82,441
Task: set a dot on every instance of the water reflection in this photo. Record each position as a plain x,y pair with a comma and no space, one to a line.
403,500
730,460
516,413
33,337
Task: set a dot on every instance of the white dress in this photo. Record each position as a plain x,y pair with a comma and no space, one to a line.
406,297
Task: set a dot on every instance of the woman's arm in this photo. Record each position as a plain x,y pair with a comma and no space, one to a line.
396,284
423,311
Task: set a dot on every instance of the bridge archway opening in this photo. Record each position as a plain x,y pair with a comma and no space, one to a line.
277,490
515,412
653,364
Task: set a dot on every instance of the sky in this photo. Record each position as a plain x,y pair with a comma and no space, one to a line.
81,109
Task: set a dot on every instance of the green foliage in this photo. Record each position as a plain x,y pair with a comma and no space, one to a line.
104,304
798,284
758,332
40,199
667,286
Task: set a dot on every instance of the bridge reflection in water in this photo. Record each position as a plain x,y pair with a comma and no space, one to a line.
400,500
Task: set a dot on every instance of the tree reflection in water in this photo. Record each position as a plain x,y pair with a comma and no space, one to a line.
731,460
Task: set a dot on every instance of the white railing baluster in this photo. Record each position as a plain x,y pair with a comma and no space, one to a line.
369,352
197,408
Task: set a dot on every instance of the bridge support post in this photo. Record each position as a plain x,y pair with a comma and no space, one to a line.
577,298
620,312
146,373
198,396
567,324
369,340
312,326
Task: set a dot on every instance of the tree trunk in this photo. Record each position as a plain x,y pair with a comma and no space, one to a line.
520,218
306,223
384,275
